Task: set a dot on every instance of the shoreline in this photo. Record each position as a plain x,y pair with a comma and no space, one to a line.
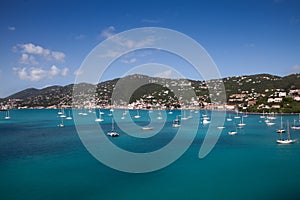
122,108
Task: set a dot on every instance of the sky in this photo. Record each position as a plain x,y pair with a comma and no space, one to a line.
44,43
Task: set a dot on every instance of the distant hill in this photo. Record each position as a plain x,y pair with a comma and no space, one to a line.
62,95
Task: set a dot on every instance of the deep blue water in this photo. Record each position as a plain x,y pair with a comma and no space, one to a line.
39,160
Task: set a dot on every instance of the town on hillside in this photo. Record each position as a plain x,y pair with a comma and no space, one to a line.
255,93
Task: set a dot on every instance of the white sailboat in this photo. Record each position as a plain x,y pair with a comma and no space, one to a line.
62,113
206,121
7,116
184,116
137,116
69,116
242,124
159,116
112,133
99,119
281,130
295,127
229,119
61,125
263,115
176,123
233,132
237,115
288,140
147,128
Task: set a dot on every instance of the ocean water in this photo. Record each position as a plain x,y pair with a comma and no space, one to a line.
39,160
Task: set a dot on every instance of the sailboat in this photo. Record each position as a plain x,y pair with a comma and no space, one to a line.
281,130
233,132
137,116
295,127
159,115
61,125
205,121
147,128
99,119
237,115
7,115
112,133
184,116
271,116
229,119
176,123
288,140
69,116
62,113
263,115
242,124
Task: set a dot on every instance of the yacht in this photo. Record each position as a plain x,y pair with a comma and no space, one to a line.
112,133
281,130
176,123
288,140
7,115
137,116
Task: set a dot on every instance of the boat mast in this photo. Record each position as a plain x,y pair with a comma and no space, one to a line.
288,127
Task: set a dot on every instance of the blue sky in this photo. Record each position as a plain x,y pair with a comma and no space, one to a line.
43,43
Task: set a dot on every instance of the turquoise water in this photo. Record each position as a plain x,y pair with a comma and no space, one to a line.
39,160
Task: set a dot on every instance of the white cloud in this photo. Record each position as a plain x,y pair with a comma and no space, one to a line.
110,54
108,32
65,71
129,43
129,61
48,54
37,74
11,28
28,59
167,74
78,72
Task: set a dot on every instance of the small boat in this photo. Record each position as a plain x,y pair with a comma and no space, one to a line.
295,127
61,125
271,116
281,130
263,115
232,132
270,123
7,115
229,119
176,123
112,133
60,112
237,115
137,116
288,140
205,121
184,116
69,116
159,116
242,124
221,127
147,128
170,112
99,119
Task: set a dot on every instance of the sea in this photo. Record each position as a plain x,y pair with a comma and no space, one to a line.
41,160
